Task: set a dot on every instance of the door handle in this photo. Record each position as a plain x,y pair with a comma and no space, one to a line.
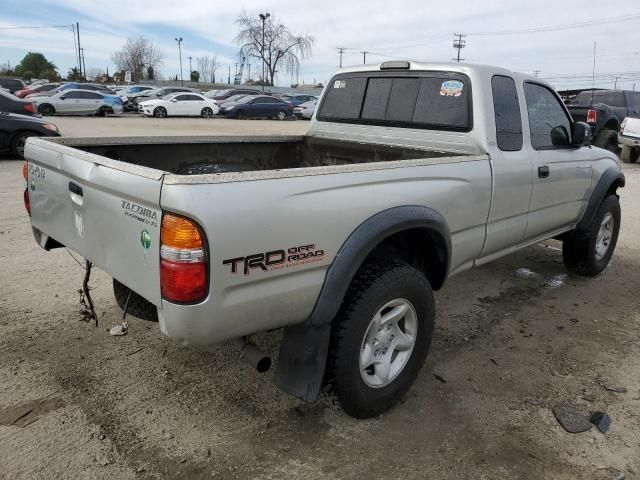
75,188
543,172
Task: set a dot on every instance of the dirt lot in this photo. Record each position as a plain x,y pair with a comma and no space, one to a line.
513,340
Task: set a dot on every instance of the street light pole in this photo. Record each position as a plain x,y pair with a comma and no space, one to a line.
179,40
190,69
263,17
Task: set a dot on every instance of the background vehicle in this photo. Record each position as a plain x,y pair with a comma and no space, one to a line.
296,100
629,139
305,110
232,99
131,104
79,102
74,86
12,84
179,104
605,110
132,90
225,94
40,88
409,174
11,104
258,106
15,129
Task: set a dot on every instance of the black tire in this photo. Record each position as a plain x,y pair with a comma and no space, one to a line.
608,139
18,141
206,113
579,248
102,112
160,112
138,306
240,115
629,154
46,109
281,115
373,287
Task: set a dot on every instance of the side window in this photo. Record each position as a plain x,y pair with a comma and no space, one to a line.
615,99
548,123
72,95
507,113
633,102
181,98
91,95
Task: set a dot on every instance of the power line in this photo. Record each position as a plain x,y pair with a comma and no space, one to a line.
566,26
30,27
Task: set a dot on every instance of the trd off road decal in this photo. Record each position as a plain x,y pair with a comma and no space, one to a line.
276,259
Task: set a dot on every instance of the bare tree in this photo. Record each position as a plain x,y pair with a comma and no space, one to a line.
137,55
94,73
280,45
207,66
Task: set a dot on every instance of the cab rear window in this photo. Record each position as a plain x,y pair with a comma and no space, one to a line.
430,100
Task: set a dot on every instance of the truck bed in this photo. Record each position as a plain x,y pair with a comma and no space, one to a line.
214,155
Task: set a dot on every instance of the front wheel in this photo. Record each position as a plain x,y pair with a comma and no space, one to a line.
380,338
206,113
587,252
46,109
629,154
281,115
160,112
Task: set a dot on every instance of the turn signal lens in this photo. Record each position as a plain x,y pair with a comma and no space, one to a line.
178,232
27,202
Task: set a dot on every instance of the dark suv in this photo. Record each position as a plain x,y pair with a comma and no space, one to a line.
11,84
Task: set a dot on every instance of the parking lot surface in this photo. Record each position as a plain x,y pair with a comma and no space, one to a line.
513,339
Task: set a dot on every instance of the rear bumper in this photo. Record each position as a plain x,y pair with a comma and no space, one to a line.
629,141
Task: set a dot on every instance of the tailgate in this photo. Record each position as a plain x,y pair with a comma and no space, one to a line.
105,210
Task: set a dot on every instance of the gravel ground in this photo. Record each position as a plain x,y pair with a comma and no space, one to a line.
513,340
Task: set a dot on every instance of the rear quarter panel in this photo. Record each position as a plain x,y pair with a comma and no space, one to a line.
317,212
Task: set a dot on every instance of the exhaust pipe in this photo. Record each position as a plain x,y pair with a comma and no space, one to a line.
252,354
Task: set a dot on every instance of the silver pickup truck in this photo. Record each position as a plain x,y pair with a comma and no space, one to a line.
409,174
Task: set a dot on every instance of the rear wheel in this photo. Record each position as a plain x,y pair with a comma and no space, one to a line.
380,338
46,109
160,112
629,154
588,252
281,115
18,142
206,113
608,139
138,306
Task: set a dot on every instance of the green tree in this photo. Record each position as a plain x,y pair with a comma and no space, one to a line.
73,74
36,65
195,76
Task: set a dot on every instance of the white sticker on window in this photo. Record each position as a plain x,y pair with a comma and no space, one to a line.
451,88
340,84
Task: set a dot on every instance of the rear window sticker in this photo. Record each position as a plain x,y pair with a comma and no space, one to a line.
340,84
451,88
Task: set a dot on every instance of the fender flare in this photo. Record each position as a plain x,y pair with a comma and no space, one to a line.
304,348
612,177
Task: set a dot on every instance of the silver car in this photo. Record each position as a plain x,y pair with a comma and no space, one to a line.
79,102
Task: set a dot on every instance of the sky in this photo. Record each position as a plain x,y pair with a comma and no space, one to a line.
551,38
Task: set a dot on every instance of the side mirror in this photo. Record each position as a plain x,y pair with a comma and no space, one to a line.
560,136
581,134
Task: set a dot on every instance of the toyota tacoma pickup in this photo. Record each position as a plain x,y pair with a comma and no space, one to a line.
409,174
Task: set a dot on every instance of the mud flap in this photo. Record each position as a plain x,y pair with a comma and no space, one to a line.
302,360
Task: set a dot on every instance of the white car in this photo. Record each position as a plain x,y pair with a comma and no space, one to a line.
179,104
79,102
629,139
305,110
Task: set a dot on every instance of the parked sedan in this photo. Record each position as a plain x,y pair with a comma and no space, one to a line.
258,106
79,102
225,94
40,88
131,103
12,104
15,129
296,100
96,87
179,104
305,110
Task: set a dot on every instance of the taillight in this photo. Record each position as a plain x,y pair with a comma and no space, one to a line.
183,260
25,195
30,108
592,116
25,171
622,125
27,202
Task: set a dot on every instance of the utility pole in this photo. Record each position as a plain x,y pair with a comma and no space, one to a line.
536,73
84,67
263,17
79,49
229,78
179,40
364,57
615,84
459,43
341,50
190,68
75,44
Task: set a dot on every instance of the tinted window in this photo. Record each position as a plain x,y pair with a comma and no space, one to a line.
615,99
507,114
548,122
191,97
180,98
266,100
72,95
438,101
